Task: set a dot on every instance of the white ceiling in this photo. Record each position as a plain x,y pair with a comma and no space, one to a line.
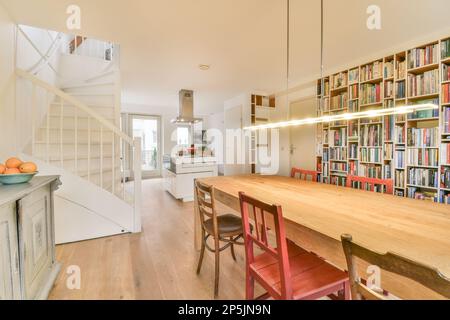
164,41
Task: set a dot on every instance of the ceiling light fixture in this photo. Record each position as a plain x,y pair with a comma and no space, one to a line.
347,116
204,67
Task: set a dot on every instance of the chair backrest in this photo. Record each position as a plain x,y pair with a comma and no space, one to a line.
303,174
370,184
206,204
260,214
425,275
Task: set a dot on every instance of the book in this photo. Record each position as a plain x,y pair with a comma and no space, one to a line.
400,92
371,155
400,135
388,153
399,159
445,72
354,92
339,102
400,70
400,179
389,89
389,69
445,49
371,135
370,171
353,75
339,80
445,177
387,171
338,137
338,154
446,119
445,154
446,93
423,157
389,126
415,193
425,114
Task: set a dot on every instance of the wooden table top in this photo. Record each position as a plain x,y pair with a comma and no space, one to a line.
418,230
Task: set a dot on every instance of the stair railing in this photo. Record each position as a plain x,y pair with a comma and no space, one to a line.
112,143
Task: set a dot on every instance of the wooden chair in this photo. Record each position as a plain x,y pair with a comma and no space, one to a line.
286,272
303,174
224,228
425,275
371,183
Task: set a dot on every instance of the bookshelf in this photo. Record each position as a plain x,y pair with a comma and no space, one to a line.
414,149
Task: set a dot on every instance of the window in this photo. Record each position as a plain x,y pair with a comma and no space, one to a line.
183,136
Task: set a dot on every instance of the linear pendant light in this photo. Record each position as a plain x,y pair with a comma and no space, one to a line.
340,117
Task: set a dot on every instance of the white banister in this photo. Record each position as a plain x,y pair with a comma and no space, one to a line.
101,156
47,142
89,149
76,141
137,173
33,118
61,132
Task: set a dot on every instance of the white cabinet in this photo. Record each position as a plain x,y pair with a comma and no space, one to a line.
9,254
28,267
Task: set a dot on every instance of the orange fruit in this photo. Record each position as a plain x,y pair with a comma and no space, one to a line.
28,167
2,168
12,171
13,163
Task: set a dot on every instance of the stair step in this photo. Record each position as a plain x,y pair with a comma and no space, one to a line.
72,111
69,122
68,136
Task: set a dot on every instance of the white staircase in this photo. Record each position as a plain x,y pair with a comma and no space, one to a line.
75,133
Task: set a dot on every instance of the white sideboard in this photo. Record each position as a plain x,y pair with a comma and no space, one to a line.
28,267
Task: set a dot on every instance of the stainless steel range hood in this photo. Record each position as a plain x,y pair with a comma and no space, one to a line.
186,114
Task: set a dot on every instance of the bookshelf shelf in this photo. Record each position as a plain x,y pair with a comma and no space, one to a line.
372,81
371,104
422,187
425,96
423,69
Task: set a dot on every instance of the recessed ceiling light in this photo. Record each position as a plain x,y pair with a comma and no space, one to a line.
204,67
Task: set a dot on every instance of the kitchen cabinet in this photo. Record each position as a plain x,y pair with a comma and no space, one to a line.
28,267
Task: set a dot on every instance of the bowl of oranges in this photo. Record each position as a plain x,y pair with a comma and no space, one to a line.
15,171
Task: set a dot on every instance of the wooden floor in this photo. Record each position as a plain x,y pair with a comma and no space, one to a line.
159,263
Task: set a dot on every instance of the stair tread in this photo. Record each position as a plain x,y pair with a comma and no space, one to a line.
87,85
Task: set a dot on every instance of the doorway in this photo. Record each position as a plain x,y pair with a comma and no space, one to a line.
148,129
303,138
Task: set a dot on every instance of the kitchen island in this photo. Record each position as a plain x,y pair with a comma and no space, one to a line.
179,178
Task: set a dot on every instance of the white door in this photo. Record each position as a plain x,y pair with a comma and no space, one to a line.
148,129
303,138
9,254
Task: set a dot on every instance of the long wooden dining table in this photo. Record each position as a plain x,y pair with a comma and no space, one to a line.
316,215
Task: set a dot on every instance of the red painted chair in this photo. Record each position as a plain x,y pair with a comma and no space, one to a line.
370,183
303,174
286,271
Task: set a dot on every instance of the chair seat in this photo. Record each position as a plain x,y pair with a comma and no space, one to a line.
228,224
310,275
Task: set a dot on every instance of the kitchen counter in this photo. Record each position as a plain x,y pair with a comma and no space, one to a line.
179,178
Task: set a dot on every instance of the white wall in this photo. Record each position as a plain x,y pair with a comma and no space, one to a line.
7,85
217,121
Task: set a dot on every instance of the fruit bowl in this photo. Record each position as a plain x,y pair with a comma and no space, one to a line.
10,179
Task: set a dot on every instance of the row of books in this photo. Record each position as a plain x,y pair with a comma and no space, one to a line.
353,168
389,89
339,181
399,159
400,90
425,114
423,177
423,84
339,80
423,56
326,85
389,69
339,166
446,93
445,72
371,155
445,49
371,135
389,126
353,75
353,129
339,102
338,154
326,155
401,69
399,179
400,134
370,93
415,193
423,137
354,92
372,71
445,178
446,119
353,151
423,157
445,153
353,106
387,172
338,137
388,151
445,198
326,170
370,171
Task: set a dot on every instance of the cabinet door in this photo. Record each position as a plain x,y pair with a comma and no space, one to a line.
9,254
35,240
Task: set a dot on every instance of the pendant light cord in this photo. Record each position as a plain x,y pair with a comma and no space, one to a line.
322,80
288,46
